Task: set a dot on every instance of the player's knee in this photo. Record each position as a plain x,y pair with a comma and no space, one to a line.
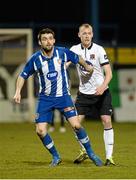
106,121
41,132
76,125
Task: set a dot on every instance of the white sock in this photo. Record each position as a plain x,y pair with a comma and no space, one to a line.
81,145
108,136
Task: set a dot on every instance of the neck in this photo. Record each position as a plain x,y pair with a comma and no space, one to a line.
86,46
47,53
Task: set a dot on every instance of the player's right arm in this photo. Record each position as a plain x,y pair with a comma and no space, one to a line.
28,70
19,85
75,58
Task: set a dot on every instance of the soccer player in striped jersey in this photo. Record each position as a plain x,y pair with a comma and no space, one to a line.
94,95
50,65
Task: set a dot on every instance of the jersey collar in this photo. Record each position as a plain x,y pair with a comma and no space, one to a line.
46,58
88,47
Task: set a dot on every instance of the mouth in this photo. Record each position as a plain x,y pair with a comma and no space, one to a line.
87,40
48,46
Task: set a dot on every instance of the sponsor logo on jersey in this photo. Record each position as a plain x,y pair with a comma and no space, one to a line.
88,62
52,75
82,67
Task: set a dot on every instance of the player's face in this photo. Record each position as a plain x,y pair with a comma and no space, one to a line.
85,34
47,41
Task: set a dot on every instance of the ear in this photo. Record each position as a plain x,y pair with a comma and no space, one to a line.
92,34
79,35
39,42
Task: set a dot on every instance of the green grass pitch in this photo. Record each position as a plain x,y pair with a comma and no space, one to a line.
22,155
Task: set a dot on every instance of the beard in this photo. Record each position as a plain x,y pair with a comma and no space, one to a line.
47,50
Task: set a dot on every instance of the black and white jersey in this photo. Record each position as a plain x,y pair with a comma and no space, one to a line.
96,55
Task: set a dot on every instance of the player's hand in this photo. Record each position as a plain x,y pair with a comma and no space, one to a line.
100,90
17,98
89,69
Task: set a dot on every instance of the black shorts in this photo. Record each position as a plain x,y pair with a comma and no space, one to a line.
94,105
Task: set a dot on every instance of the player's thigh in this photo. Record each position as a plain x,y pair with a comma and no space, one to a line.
85,103
106,105
44,110
67,107
82,111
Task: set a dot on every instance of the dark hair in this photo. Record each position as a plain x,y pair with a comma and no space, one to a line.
45,31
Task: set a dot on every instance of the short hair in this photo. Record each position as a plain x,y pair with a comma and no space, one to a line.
45,31
86,25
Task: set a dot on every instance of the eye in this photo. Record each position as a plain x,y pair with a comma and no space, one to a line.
44,39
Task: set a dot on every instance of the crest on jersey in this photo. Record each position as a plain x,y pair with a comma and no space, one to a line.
59,61
92,56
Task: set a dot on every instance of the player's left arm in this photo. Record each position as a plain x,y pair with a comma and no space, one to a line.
108,76
68,64
88,67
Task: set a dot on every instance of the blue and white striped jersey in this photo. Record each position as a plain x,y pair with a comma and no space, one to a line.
52,73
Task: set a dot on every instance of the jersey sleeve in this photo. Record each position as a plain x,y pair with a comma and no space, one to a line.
103,58
71,56
72,49
28,69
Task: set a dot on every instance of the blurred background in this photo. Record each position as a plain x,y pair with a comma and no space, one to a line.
114,28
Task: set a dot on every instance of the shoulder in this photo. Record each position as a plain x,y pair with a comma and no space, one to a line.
37,53
60,48
98,46
76,48
34,56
